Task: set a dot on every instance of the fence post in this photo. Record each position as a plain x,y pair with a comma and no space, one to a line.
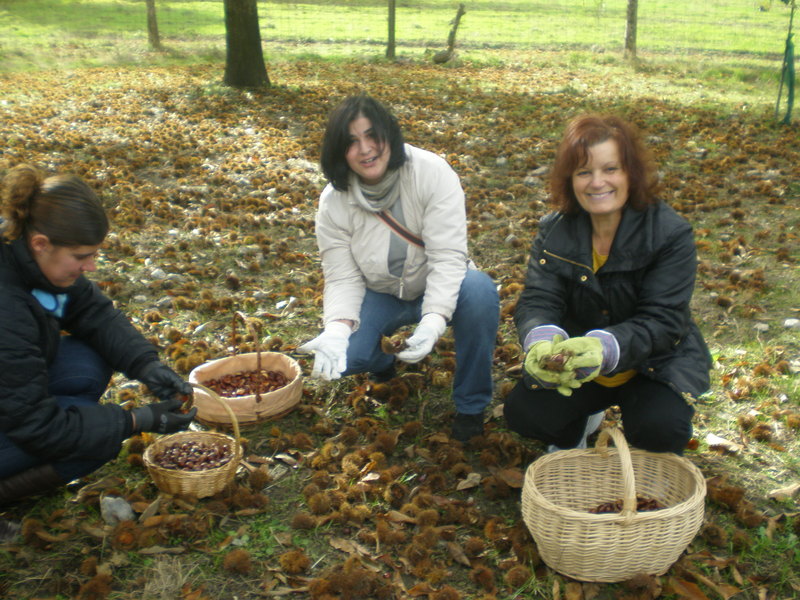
630,29
390,44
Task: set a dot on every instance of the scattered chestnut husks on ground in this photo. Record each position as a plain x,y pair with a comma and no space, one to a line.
245,383
193,456
642,504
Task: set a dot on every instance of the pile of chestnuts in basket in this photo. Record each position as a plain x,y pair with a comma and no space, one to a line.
643,503
193,456
245,383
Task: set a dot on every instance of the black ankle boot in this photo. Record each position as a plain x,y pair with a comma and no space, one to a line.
466,427
384,376
35,480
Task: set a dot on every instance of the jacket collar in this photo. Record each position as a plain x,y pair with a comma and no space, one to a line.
29,271
570,239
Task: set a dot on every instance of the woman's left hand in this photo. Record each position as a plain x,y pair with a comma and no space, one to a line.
430,329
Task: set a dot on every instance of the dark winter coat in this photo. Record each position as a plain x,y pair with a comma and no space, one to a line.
641,294
29,338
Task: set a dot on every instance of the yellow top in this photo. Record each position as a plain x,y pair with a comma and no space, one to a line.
598,260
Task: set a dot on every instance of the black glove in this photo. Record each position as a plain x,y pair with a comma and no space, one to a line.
162,417
163,382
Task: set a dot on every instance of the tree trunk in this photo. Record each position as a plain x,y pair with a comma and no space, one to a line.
390,46
630,29
152,25
244,62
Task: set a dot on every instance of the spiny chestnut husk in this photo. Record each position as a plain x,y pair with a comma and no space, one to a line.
555,362
394,344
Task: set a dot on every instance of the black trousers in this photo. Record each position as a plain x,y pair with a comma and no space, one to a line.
655,417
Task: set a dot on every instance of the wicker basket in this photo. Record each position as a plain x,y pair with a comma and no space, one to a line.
254,408
560,488
198,484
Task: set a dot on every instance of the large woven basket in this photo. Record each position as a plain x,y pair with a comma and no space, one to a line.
197,484
561,488
253,408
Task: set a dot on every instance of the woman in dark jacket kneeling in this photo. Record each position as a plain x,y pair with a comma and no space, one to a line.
604,317
52,427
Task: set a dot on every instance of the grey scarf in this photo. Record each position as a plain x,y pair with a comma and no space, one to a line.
378,197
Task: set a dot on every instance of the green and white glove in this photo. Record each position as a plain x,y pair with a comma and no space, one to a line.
591,355
536,366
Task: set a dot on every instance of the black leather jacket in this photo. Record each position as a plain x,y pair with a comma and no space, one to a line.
641,294
29,339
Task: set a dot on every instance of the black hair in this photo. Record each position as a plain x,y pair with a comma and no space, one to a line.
337,137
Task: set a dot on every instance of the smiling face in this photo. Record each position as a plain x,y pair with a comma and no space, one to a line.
601,185
366,156
62,265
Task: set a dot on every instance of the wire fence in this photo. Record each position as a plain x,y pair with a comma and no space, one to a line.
731,26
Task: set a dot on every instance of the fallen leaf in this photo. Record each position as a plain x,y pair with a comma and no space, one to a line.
458,554
249,512
349,546
370,477
470,481
162,550
93,531
49,537
288,459
786,493
717,443
286,591
513,477
772,525
398,517
684,589
94,489
723,589
421,589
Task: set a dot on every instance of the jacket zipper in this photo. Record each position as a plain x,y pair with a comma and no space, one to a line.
572,262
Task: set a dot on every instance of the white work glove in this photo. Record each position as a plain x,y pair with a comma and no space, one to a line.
330,350
428,331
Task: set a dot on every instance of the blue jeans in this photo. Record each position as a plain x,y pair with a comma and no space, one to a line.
78,375
474,323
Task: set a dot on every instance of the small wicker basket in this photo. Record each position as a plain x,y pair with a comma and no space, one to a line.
560,488
197,484
253,408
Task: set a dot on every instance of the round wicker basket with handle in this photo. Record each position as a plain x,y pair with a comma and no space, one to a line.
249,409
198,484
561,488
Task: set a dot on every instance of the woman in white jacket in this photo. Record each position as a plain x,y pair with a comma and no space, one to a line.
392,234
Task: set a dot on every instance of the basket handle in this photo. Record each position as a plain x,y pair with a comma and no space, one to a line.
628,478
249,325
234,420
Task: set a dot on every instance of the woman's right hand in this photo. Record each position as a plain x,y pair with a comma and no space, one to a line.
330,350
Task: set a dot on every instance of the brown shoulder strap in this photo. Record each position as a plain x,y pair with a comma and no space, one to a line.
399,229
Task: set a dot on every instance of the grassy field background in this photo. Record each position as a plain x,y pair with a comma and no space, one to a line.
328,28
212,193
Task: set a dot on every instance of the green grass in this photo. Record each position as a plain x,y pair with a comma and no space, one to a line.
99,32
